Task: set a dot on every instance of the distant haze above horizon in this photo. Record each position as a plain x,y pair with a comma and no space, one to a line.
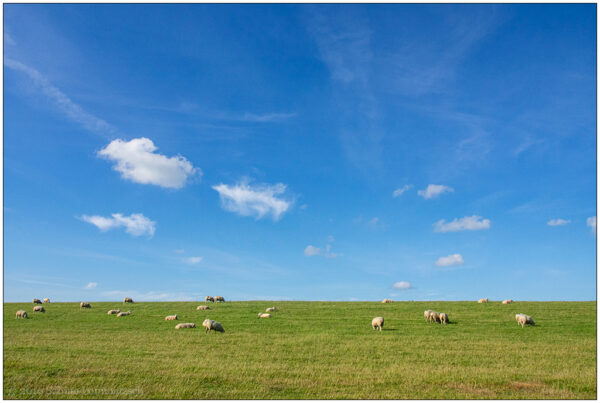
166,152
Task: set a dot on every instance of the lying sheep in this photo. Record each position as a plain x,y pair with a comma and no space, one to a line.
114,311
523,320
387,301
171,317
434,317
124,313
185,326
482,300
444,318
21,314
127,300
212,325
219,299
203,308
84,305
507,301
209,299
38,308
427,313
36,301
46,300
271,309
264,315
377,323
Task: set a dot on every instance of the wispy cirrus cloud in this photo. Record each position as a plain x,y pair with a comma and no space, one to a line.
254,200
138,162
134,224
558,222
472,223
91,285
266,117
72,110
398,192
192,260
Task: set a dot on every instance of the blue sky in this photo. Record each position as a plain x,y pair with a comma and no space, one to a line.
307,152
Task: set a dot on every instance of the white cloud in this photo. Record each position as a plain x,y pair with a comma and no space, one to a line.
398,192
91,286
402,285
137,161
256,201
179,250
135,224
267,117
450,260
330,238
558,221
472,223
192,259
312,251
62,101
433,191
591,222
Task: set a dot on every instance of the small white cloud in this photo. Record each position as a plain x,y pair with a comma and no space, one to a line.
137,161
256,201
402,285
373,222
179,250
135,224
90,286
472,223
591,222
433,191
450,260
398,192
192,259
267,117
557,222
312,251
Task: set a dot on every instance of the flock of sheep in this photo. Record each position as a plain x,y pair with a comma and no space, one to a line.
376,323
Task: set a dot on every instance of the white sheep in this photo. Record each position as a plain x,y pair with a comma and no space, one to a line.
185,326
264,315
387,301
127,300
171,317
84,305
212,325
36,301
482,300
434,317
377,323
21,314
507,301
427,313
203,308
523,320
219,298
114,311
209,299
124,313
39,308
271,309
444,318
46,300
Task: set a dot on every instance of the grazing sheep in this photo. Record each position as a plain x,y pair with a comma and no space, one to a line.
171,317
523,320
209,299
84,305
46,300
219,299
444,318
36,301
482,300
427,313
185,326
377,323
434,317
124,313
387,301
264,315
203,308
21,314
38,309
114,311
127,300
507,301
271,309
212,325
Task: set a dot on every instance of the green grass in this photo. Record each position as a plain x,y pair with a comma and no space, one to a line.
308,350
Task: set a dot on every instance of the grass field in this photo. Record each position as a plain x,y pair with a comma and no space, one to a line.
308,350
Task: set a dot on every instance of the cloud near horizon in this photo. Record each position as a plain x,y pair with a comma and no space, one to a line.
450,260
402,285
433,191
472,223
134,224
255,201
91,285
137,161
